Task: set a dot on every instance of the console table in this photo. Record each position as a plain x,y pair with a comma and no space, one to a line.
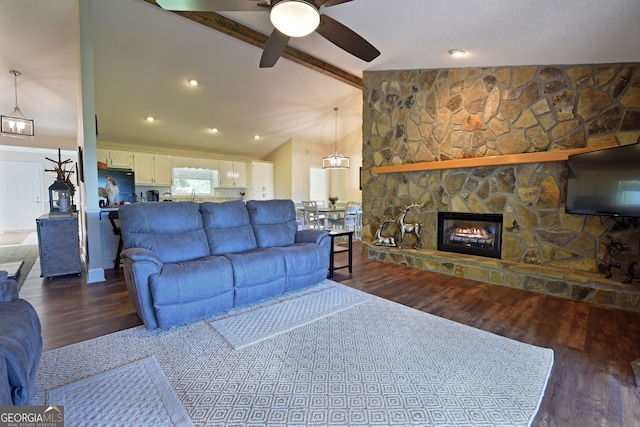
333,233
59,245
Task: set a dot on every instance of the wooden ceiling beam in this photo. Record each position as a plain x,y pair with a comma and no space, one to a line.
227,26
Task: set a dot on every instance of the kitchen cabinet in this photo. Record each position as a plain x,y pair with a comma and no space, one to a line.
262,181
115,158
232,173
59,245
153,169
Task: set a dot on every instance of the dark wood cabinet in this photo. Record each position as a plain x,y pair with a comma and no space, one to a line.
59,245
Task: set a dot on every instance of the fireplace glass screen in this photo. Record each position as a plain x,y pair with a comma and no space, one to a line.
468,233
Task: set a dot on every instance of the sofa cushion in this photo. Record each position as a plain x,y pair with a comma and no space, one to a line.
274,222
306,264
227,227
257,274
187,291
172,230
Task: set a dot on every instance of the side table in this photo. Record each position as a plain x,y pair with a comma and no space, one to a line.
59,245
333,233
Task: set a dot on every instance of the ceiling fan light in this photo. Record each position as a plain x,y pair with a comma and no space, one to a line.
295,18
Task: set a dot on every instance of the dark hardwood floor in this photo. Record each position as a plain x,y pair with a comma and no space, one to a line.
591,384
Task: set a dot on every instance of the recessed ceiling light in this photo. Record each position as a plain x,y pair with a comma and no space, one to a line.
456,53
193,82
150,119
256,137
213,130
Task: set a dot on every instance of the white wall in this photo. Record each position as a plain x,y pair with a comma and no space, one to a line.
345,183
38,155
294,158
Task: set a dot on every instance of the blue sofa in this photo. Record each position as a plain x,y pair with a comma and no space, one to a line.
20,345
185,261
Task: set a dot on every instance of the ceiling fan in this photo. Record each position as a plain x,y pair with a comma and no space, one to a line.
291,18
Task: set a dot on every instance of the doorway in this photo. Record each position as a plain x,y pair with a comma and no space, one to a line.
317,184
21,193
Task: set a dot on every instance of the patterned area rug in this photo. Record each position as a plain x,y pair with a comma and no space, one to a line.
256,325
135,394
375,363
28,254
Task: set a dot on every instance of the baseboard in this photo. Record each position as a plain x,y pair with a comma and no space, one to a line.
635,365
95,275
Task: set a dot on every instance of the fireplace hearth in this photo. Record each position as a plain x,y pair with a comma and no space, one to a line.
470,233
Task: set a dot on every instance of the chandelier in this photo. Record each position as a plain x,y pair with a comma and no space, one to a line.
336,160
16,124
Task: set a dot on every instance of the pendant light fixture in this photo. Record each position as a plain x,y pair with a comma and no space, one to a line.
16,124
295,18
336,160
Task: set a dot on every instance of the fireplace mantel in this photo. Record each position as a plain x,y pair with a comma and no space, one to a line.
508,159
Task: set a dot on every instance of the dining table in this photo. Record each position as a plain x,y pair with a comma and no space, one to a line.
328,213
331,213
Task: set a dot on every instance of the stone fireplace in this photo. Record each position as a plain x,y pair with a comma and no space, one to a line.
445,115
470,233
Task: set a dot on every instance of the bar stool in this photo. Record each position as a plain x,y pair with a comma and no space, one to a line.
113,216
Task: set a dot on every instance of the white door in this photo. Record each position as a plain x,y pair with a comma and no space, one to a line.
318,184
20,195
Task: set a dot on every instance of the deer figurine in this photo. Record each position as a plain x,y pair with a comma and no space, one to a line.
611,259
384,240
412,228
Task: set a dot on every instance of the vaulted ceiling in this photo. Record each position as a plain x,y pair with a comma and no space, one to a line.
144,55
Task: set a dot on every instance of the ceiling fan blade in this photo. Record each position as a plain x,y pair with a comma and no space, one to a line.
212,5
328,3
275,46
346,39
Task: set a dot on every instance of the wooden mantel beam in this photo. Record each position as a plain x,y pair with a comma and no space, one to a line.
504,160
227,26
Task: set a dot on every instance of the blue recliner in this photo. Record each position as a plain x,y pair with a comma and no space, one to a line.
185,261
20,345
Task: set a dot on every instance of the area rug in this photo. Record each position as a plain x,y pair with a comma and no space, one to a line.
28,254
376,363
136,394
14,238
249,327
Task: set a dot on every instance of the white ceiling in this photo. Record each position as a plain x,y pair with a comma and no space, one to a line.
143,56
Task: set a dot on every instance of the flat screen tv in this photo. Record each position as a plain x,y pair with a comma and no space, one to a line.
605,182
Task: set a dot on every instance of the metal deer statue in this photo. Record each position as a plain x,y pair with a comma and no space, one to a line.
411,228
384,240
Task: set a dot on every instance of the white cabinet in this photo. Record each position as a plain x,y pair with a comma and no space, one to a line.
233,173
163,170
153,169
115,158
262,181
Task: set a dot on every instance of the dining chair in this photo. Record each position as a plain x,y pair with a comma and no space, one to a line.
351,218
311,213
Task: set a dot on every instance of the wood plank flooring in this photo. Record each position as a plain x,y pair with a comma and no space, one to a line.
592,382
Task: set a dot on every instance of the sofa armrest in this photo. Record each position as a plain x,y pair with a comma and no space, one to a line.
8,288
141,254
311,236
139,265
21,348
5,387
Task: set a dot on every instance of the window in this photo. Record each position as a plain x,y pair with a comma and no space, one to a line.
188,180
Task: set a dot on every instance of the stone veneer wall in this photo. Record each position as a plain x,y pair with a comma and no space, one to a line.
437,115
